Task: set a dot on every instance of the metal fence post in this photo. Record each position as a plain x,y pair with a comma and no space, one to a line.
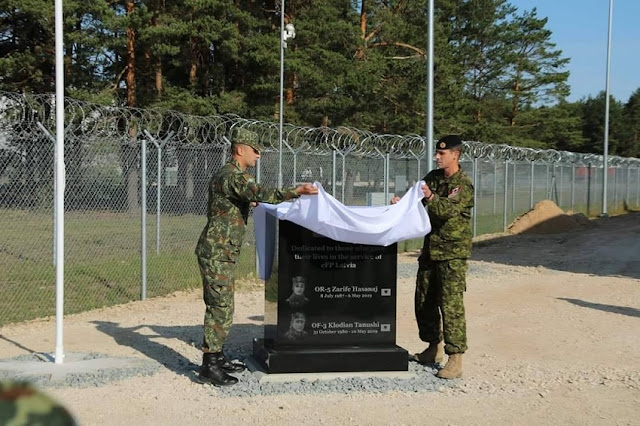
295,168
589,189
258,180
344,178
595,180
143,242
387,177
385,172
638,187
573,185
626,194
158,196
506,194
159,146
513,194
495,187
258,171
547,184
295,162
475,196
561,185
333,174
531,187
615,187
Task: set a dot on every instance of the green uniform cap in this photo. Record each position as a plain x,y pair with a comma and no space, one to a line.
246,137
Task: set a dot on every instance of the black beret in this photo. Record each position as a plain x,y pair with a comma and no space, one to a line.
449,142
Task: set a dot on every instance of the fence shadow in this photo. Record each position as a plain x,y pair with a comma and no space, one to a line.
605,247
622,310
143,337
17,344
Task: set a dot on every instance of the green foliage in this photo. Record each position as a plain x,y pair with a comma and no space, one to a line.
498,77
630,140
593,124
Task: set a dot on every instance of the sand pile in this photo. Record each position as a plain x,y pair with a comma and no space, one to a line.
547,218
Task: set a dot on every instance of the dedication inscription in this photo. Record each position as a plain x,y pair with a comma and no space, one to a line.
332,300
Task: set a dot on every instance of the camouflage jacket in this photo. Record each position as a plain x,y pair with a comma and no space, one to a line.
450,216
23,404
230,193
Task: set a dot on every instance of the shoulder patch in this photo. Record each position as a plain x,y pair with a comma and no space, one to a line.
455,191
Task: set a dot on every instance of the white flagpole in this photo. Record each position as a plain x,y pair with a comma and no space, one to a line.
605,155
59,179
429,129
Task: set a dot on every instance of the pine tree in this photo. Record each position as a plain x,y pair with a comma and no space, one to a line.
27,51
535,72
630,132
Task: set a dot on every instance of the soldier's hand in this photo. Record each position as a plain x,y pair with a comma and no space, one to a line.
307,189
426,191
254,204
394,200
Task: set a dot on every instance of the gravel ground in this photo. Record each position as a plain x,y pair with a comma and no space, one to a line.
553,325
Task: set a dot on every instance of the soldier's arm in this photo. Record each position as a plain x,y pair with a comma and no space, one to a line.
448,207
244,187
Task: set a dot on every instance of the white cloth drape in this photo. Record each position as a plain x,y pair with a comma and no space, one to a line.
381,226
323,214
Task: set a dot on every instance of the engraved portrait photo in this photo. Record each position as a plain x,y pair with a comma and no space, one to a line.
296,327
297,299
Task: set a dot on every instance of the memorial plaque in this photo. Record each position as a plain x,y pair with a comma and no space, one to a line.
331,307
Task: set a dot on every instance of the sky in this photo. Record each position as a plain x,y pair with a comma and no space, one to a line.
579,28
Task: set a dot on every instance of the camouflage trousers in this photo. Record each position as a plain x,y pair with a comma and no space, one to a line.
440,288
218,293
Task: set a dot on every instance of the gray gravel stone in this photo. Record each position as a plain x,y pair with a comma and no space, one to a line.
81,378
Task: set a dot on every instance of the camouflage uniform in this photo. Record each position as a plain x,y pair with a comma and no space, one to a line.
230,193
441,279
23,404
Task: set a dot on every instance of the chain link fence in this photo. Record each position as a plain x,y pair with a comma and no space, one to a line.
121,162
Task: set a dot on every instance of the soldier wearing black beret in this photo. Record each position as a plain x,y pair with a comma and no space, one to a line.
441,279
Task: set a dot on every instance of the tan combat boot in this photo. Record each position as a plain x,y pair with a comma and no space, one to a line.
453,369
432,355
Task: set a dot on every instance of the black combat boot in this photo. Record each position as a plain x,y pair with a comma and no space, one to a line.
231,367
211,372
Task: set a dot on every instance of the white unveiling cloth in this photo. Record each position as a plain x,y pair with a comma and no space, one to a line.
323,214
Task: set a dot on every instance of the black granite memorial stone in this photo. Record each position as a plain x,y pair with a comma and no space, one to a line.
332,306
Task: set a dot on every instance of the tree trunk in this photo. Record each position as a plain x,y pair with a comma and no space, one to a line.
193,69
289,94
131,58
159,78
514,104
363,19
130,153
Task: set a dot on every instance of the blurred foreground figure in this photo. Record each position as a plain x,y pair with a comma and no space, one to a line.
21,404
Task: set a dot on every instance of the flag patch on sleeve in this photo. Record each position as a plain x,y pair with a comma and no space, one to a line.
454,192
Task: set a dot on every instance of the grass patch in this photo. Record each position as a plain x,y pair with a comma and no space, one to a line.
102,258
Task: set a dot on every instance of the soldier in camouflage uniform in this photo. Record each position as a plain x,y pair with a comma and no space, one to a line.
441,280
22,404
232,192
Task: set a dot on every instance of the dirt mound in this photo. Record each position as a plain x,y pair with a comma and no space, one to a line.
547,218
